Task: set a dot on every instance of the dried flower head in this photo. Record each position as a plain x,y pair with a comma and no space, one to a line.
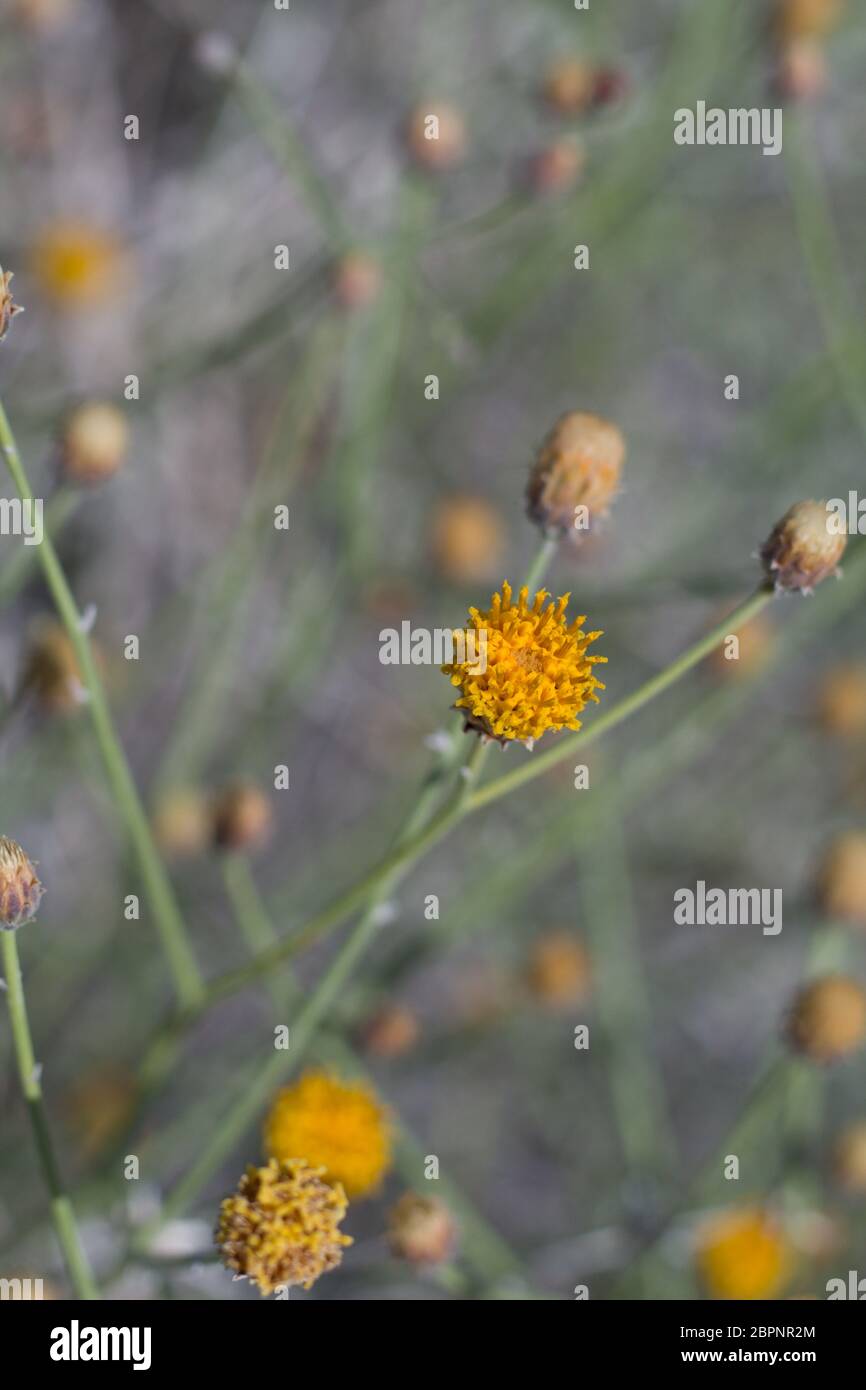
52,671
796,19
76,264
536,672
241,817
436,136
842,700
94,442
467,538
801,550
569,86
391,1032
828,1018
421,1230
282,1227
182,823
357,280
558,166
849,1159
338,1125
744,1254
576,474
8,307
20,889
842,879
558,970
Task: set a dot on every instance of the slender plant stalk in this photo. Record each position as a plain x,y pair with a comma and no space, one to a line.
62,1213
185,974
395,865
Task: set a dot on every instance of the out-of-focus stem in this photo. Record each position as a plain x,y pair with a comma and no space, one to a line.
185,974
61,1208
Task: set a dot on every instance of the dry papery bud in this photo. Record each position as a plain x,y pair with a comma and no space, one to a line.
843,879
558,167
241,817
20,889
421,1230
828,1018
842,701
467,538
801,550
357,280
575,475
849,1159
8,307
802,71
182,823
52,671
94,442
391,1032
436,136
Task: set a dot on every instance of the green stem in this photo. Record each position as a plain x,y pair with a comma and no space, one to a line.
395,865
184,971
61,1208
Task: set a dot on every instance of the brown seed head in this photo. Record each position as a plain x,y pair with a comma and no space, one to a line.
94,442
842,879
436,136
421,1230
801,550
578,465
828,1018
20,889
241,817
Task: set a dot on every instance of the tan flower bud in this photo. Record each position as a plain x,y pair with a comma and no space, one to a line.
569,86
842,701
801,550
8,307
828,1018
436,136
391,1032
578,465
849,1159
357,280
94,442
467,539
558,972
241,817
843,879
182,823
421,1230
20,889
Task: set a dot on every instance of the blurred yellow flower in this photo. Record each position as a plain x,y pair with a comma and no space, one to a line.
281,1228
467,538
76,264
536,674
337,1125
558,971
743,1254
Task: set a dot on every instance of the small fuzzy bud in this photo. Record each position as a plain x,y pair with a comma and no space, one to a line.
421,1230
94,443
20,889
578,466
801,550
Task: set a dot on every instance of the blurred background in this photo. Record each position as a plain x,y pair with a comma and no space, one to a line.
147,270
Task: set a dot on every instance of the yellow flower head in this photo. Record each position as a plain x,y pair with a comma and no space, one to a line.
743,1254
76,264
338,1125
281,1228
527,670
